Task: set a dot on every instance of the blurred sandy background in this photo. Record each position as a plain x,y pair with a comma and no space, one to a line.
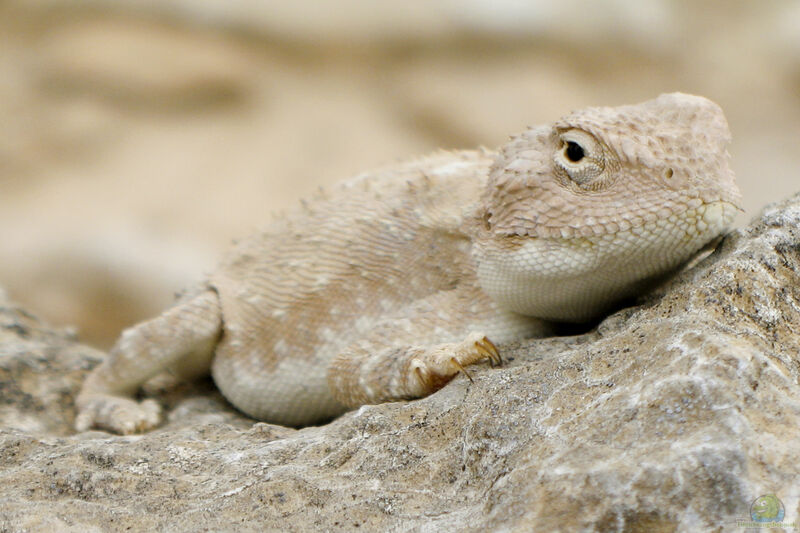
137,137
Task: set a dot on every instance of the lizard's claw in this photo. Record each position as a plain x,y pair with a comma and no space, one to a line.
462,369
487,348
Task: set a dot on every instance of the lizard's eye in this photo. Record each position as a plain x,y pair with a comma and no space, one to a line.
580,156
574,152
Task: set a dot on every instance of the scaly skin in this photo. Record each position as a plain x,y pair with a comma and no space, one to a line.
390,284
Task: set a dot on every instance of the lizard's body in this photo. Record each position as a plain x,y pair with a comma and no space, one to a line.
388,285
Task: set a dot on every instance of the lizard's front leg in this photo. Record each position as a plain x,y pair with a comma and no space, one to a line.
360,376
404,358
182,337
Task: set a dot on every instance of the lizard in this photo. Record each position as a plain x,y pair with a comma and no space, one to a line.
388,285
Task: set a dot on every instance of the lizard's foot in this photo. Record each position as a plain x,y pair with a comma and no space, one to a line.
117,414
434,369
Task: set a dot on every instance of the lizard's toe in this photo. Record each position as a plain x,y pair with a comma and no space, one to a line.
436,368
119,415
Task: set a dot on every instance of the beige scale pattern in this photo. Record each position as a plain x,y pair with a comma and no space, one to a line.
387,286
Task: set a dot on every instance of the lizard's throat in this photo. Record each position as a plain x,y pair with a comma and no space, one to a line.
579,279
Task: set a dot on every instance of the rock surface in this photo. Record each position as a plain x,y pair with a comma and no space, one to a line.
674,415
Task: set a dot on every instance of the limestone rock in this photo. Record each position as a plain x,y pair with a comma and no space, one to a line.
674,415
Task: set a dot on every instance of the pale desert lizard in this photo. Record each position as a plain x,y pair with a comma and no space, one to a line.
390,284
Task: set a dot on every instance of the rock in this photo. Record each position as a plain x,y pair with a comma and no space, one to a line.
144,66
674,415
40,370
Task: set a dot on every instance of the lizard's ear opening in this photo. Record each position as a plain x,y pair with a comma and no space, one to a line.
579,156
486,220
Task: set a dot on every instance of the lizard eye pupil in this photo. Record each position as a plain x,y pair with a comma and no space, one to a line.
574,151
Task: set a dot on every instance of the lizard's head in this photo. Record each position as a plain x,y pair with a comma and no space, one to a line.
583,212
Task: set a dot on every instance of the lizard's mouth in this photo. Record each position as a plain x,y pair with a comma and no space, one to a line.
693,218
